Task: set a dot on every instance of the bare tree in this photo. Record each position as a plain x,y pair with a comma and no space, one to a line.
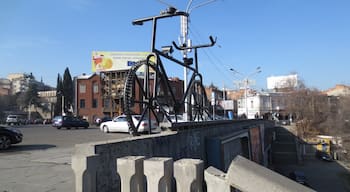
339,121
310,109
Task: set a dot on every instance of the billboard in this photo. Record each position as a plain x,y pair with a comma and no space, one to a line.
280,82
113,61
227,104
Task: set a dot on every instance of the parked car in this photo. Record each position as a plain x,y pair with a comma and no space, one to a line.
179,118
284,122
104,119
69,122
324,156
9,136
298,176
120,124
15,120
47,121
38,121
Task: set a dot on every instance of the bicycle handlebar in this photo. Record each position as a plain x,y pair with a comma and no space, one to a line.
212,43
170,12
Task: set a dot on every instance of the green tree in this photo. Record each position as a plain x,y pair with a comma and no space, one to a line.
32,96
59,95
68,90
29,97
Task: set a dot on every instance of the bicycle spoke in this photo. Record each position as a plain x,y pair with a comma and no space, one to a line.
145,95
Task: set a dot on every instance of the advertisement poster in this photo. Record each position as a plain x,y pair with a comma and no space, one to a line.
256,144
113,61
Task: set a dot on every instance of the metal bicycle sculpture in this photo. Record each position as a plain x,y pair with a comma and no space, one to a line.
147,89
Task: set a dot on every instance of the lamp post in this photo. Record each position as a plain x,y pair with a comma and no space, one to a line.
29,108
62,105
246,84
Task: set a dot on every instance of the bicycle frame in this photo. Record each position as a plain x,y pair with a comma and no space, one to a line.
171,12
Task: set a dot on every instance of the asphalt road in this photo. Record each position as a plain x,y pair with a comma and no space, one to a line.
45,136
42,162
322,176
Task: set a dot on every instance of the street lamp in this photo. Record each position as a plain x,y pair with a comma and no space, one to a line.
246,83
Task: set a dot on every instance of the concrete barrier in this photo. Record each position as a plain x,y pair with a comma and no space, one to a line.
243,174
188,174
130,170
216,180
159,173
246,175
189,141
85,169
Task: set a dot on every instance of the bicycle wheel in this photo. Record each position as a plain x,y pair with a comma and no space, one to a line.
146,95
198,106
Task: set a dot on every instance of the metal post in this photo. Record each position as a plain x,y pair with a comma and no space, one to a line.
246,97
29,108
224,98
62,105
29,111
183,39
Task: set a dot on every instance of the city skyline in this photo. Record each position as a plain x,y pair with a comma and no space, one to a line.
279,37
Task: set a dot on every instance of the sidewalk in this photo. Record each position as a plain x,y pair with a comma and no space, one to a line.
34,171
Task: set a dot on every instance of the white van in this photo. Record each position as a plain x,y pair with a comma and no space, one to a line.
14,120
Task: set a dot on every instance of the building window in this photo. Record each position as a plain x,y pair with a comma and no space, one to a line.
95,88
173,88
82,103
82,88
94,103
239,103
106,103
251,104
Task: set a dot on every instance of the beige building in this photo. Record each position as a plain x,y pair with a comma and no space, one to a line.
19,82
5,86
338,90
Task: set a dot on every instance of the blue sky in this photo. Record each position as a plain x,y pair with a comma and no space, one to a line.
309,37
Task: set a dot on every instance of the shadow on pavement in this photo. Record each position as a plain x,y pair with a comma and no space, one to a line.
21,148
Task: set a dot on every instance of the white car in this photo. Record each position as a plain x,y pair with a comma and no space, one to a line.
179,118
120,124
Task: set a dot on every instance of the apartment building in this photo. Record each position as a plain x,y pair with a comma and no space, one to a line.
19,82
88,97
99,95
5,86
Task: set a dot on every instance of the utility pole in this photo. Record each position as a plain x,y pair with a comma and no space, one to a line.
185,41
224,99
246,84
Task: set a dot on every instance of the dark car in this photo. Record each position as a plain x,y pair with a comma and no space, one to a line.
299,177
104,119
324,156
69,122
9,136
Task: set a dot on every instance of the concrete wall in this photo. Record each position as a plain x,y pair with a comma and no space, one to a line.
188,141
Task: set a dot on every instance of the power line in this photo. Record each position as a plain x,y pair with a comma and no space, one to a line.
211,56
